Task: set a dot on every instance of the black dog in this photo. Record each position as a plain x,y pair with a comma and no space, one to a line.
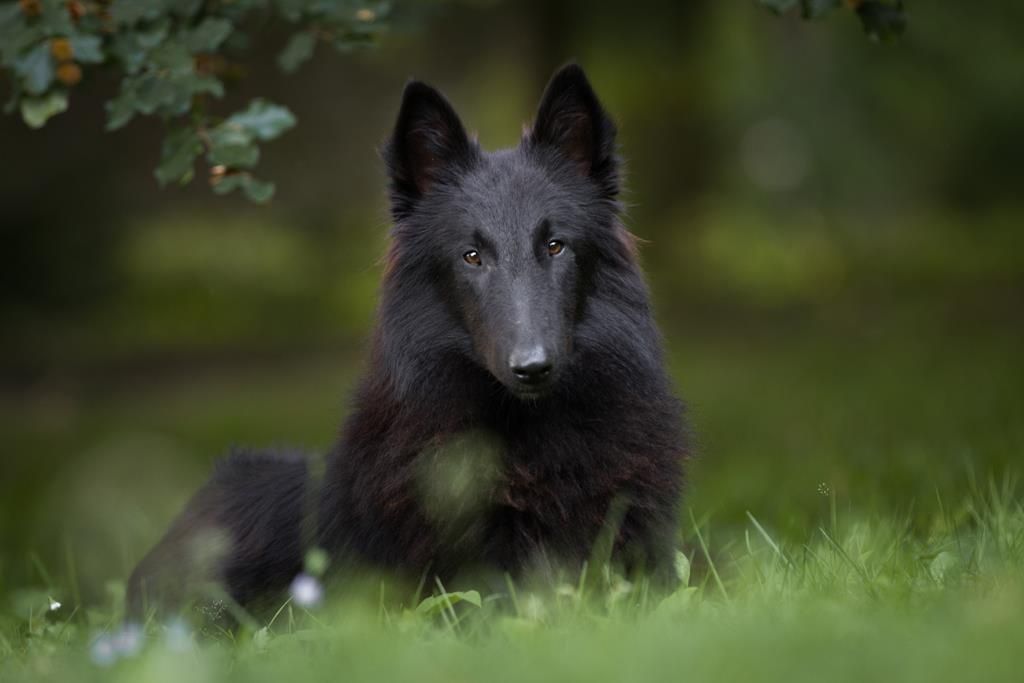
516,402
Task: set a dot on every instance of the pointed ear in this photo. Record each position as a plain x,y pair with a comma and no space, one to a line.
428,145
571,120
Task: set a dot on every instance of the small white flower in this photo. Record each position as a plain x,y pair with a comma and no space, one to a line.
178,637
102,651
54,605
108,648
128,641
306,591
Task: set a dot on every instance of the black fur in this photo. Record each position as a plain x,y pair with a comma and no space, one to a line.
550,459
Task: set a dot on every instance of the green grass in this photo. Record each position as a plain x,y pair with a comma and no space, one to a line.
852,516
858,599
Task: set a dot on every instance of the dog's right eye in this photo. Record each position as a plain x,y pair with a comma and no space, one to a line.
472,257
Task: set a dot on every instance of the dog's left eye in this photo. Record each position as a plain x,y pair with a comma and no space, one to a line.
555,247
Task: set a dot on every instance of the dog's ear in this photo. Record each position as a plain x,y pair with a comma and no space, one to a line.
571,120
428,146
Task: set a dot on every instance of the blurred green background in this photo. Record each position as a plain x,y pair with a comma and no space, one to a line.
832,232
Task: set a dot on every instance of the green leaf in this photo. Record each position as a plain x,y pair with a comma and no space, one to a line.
153,92
87,49
298,50
779,6
435,604
132,11
16,39
11,19
229,183
36,111
177,156
165,83
169,93
882,20
36,69
55,20
263,119
12,104
208,35
229,134
188,8
15,43
127,48
205,84
132,47
10,13
813,9
244,155
259,191
172,56
121,109
292,10
152,36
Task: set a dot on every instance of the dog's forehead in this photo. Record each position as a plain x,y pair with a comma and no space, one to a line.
510,193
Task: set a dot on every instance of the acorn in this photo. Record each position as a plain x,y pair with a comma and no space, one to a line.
61,49
31,8
220,172
69,73
76,9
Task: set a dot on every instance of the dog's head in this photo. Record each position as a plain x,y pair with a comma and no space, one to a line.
509,236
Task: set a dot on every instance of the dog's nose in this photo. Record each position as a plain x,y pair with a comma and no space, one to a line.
530,366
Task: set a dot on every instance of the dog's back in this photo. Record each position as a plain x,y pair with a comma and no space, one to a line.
241,538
